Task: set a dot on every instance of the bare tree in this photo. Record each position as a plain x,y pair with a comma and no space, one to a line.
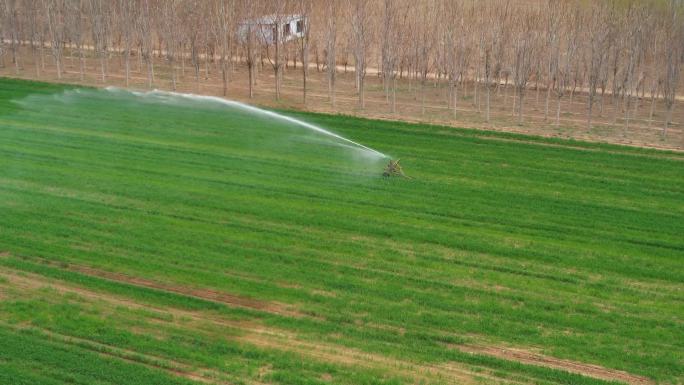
450,14
127,26
634,36
362,34
565,58
331,44
54,10
426,45
393,19
36,30
248,33
3,33
275,37
626,50
193,17
167,26
674,40
146,43
495,44
523,58
10,20
304,42
224,23
553,25
100,28
596,41
75,19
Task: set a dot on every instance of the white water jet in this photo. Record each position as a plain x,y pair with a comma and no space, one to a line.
258,111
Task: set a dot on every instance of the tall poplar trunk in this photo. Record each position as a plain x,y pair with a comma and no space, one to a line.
487,107
394,94
546,107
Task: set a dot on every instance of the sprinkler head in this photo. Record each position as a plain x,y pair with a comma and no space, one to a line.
393,169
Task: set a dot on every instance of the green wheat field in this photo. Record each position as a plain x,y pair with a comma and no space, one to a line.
151,238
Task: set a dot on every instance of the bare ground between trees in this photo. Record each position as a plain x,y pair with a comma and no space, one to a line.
608,124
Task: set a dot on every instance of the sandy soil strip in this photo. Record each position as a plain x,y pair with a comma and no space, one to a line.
261,336
530,358
205,294
265,337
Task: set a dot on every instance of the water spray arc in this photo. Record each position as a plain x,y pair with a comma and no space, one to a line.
262,112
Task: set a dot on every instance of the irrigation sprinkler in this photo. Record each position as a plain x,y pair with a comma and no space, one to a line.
393,168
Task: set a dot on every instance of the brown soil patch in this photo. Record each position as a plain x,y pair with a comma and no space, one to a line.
530,358
256,334
206,294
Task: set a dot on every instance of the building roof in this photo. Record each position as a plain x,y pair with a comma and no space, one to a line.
271,19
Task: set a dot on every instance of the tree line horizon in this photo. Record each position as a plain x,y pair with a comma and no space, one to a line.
628,50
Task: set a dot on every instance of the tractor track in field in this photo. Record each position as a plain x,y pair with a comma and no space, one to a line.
261,336
531,358
256,334
231,300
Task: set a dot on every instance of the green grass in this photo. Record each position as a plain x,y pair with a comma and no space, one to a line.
572,248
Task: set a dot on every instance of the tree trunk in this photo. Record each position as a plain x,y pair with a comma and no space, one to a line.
305,63
520,107
590,105
224,77
394,94
668,117
422,96
455,99
628,103
251,80
102,67
127,55
173,72
548,98
488,96
277,65
150,71
35,62
515,98
362,100
650,115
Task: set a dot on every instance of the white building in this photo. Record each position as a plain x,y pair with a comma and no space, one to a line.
289,27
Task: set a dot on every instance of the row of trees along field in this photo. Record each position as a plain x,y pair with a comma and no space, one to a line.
621,50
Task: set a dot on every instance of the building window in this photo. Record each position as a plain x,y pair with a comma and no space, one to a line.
286,27
300,26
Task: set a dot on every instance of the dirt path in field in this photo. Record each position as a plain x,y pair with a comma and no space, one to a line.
530,358
258,335
205,294
254,333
